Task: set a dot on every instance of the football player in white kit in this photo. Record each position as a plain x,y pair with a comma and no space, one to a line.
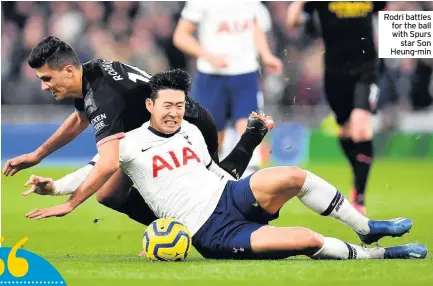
230,38
168,161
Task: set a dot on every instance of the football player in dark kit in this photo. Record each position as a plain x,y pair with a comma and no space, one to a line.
111,96
351,68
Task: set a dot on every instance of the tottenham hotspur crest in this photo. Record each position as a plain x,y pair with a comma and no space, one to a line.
235,250
187,140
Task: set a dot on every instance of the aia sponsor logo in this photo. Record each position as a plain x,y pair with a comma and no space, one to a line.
159,163
231,27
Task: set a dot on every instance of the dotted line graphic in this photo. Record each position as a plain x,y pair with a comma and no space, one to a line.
31,282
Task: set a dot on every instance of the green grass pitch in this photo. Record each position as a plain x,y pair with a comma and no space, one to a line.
105,253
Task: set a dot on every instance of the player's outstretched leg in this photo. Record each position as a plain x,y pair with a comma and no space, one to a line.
237,161
273,187
280,242
325,199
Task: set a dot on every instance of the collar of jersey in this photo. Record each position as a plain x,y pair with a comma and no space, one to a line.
160,134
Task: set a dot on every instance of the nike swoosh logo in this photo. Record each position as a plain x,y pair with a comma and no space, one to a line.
144,150
333,203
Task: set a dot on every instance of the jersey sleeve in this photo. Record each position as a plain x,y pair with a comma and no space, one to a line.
105,113
263,17
194,11
69,184
125,150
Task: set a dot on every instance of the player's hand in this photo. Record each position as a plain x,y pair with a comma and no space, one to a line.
40,185
267,119
272,64
16,164
58,211
294,15
217,61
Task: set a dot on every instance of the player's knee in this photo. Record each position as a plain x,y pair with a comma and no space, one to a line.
345,130
295,177
362,131
102,199
108,200
314,239
362,135
311,239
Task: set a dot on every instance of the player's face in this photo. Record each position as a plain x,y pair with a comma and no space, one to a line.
58,82
167,110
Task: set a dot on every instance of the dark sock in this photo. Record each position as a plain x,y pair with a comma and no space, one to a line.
136,208
363,158
360,156
347,146
237,161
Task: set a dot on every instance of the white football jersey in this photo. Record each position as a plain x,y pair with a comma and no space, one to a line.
225,28
171,173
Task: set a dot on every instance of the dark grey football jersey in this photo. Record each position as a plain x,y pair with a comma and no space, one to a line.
114,97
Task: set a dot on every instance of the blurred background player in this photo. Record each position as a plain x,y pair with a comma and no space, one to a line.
229,38
351,68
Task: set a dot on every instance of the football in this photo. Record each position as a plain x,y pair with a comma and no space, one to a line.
166,239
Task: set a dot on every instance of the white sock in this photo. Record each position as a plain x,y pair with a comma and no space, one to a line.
326,200
334,248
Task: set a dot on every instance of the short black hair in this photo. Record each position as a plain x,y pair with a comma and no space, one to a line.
54,52
176,79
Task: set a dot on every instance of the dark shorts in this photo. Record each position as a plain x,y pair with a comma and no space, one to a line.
227,232
346,92
236,95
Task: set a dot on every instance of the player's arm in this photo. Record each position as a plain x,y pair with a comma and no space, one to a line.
68,131
260,40
107,122
105,167
69,183
184,40
272,63
297,14
107,164
183,37
73,126
108,125
66,185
